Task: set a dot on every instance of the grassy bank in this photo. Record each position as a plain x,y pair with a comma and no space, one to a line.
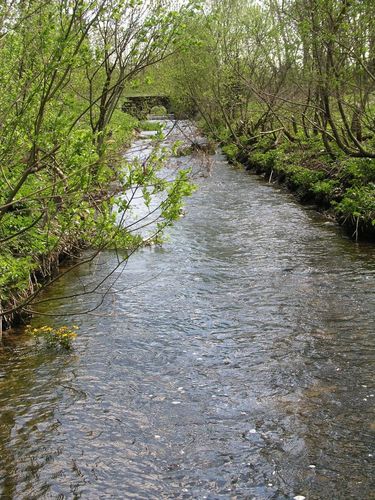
343,187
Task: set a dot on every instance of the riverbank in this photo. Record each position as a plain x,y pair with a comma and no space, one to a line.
343,188
31,259
100,218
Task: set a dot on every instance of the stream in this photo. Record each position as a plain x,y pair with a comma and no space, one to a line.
233,362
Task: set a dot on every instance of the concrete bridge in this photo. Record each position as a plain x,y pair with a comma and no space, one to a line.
141,105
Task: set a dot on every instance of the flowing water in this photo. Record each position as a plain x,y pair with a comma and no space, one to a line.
234,362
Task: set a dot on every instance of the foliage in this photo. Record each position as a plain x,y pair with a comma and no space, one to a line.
65,67
325,188
286,87
358,203
150,126
303,177
177,190
158,111
358,170
231,151
54,336
14,273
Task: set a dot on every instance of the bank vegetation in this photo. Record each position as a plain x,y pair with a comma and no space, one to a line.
287,87
64,68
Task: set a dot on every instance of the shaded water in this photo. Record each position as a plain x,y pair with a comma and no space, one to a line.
234,362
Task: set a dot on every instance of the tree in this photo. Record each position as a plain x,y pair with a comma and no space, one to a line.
64,66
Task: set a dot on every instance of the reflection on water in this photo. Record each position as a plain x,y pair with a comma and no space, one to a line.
242,369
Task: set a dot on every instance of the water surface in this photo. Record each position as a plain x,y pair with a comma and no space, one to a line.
234,362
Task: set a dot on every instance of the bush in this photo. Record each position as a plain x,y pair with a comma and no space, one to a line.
149,126
358,203
121,129
14,274
230,151
358,170
158,110
325,187
304,177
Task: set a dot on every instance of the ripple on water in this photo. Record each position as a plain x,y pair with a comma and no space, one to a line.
242,370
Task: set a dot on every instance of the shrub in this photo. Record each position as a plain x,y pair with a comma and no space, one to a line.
231,151
14,274
149,126
358,203
158,110
304,177
358,170
325,187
